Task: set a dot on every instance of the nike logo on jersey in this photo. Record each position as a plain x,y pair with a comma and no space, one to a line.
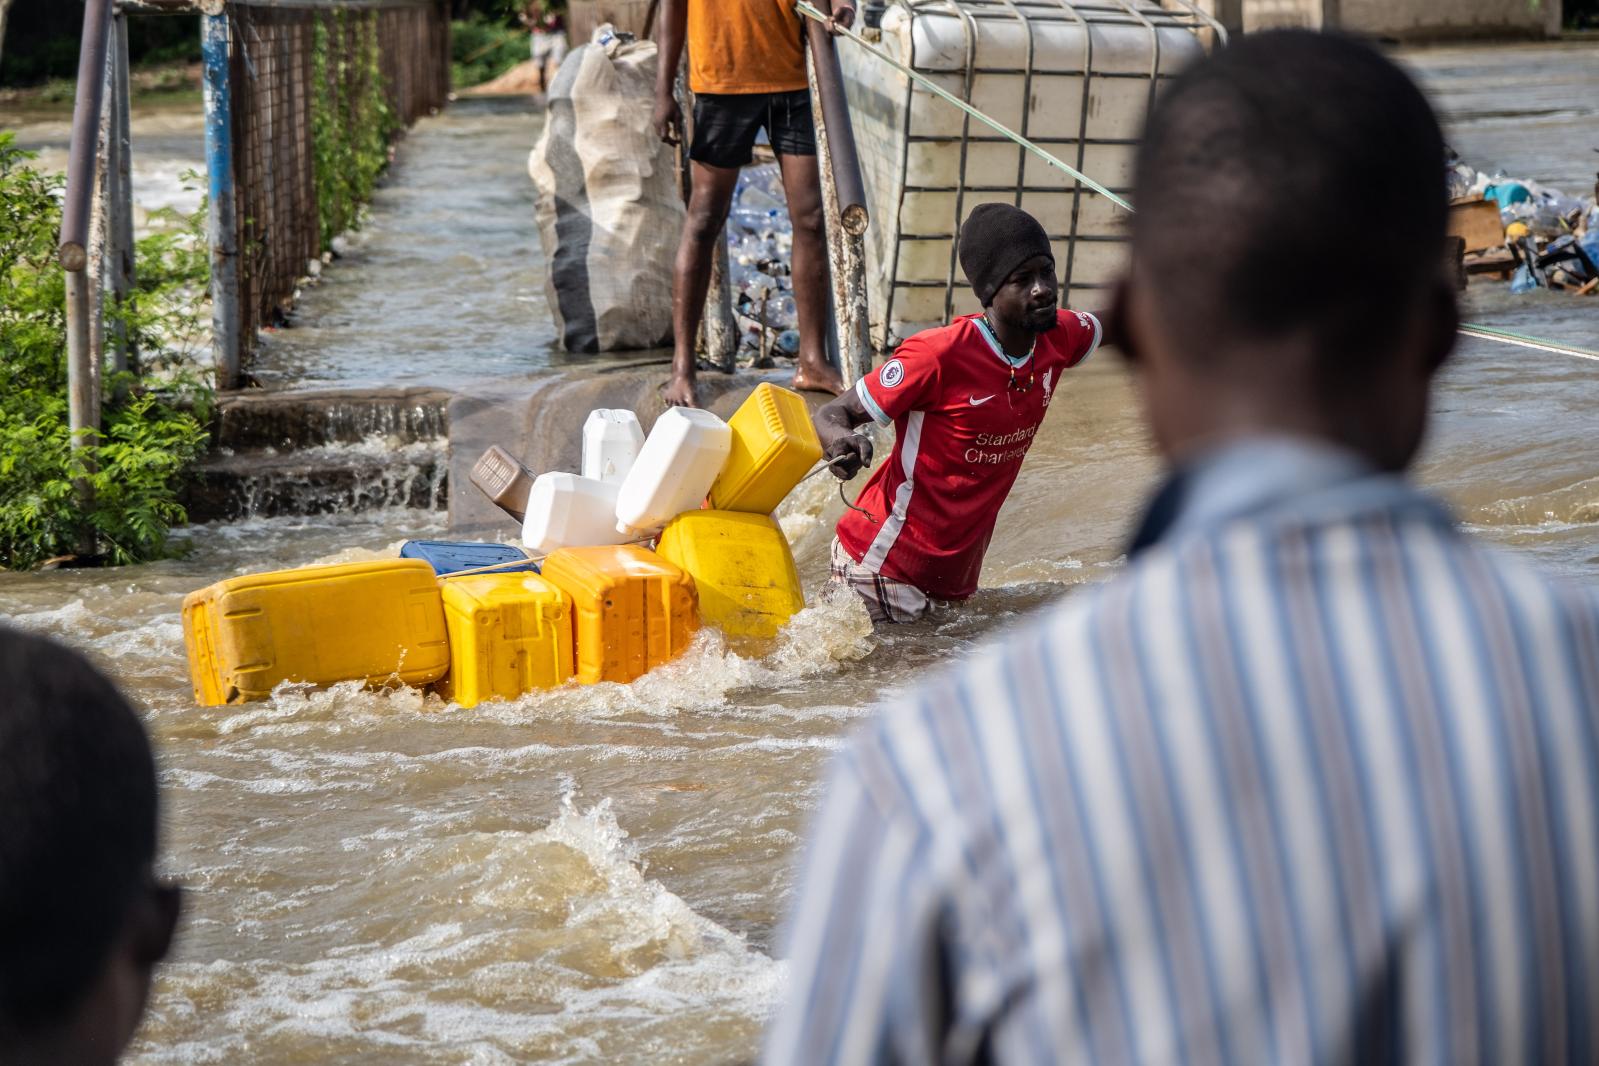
975,402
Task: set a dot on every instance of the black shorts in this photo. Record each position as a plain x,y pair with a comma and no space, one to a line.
726,125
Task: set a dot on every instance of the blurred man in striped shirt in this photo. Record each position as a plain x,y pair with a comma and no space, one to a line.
1317,778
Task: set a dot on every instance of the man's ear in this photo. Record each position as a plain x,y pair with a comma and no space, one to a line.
157,924
1443,324
1118,318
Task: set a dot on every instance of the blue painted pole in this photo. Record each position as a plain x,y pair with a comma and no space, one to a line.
222,231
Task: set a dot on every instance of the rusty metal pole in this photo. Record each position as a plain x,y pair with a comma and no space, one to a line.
119,201
83,407
99,217
721,331
844,202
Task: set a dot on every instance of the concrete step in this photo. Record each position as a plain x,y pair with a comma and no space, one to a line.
324,480
307,419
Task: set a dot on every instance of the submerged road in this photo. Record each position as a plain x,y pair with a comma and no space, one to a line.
598,874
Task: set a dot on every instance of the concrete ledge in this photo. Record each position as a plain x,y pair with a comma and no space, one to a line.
257,419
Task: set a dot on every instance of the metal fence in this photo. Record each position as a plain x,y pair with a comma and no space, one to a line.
304,80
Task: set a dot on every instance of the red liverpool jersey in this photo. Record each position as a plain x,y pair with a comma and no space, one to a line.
964,416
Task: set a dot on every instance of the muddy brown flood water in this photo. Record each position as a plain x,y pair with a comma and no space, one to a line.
598,874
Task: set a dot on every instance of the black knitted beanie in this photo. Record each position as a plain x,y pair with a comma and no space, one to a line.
995,240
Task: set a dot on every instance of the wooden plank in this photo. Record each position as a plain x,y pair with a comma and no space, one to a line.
1477,223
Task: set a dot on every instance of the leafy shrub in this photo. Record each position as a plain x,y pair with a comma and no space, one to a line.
483,48
351,120
153,420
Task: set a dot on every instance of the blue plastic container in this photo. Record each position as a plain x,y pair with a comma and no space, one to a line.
453,556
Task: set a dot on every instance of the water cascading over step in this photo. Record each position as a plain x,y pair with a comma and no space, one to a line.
334,451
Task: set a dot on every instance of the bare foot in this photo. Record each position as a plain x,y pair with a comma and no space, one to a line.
818,379
679,392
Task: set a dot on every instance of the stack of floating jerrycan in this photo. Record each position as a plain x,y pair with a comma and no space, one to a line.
374,622
740,560
631,610
509,634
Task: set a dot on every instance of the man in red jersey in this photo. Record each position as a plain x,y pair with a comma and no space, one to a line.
966,400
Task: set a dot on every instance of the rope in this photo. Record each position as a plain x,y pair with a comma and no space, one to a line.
1468,329
1505,336
809,11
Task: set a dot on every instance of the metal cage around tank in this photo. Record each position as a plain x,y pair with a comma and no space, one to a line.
1074,78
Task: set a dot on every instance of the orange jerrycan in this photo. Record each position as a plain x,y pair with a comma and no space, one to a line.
509,634
631,609
373,622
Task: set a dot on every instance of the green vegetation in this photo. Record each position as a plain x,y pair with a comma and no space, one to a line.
483,47
153,419
351,120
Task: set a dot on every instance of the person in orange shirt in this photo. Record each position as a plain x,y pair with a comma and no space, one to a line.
747,72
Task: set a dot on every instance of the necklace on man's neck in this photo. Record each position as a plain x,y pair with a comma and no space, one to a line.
1014,383
995,333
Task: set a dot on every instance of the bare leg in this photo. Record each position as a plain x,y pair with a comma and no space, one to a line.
803,191
707,211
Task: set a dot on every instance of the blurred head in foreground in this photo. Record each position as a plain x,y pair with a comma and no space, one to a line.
1287,260
82,919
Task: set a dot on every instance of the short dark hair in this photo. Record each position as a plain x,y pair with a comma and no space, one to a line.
77,827
1291,181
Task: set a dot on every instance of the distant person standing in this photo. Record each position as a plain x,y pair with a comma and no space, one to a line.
548,30
83,920
747,72
1315,779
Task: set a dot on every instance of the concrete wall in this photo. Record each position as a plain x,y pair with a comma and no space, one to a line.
1406,20
1279,14
1432,19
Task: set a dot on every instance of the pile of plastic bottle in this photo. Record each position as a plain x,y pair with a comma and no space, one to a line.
1555,237
760,248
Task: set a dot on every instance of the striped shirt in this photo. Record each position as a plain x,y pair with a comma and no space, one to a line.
1315,780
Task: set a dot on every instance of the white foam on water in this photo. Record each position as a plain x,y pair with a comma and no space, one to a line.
832,631
551,944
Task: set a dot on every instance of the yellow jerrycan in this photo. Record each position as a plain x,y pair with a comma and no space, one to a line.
374,622
742,568
509,634
774,447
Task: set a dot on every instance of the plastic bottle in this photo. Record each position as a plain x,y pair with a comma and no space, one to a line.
611,441
681,458
568,511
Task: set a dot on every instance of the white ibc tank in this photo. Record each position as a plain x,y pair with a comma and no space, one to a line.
685,451
611,443
568,511
1075,78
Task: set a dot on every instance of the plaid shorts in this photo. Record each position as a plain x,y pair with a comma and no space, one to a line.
886,600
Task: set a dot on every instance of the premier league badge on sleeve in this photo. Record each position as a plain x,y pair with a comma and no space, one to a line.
892,374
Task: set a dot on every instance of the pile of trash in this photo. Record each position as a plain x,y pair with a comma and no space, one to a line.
760,247
1544,239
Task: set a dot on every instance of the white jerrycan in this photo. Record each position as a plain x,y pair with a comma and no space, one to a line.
568,511
611,443
682,456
